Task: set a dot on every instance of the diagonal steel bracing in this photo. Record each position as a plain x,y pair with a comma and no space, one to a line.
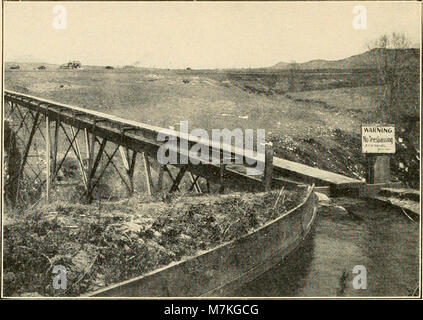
75,148
109,160
178,178
101,130
28,145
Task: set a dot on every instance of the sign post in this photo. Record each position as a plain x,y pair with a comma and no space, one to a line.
378,142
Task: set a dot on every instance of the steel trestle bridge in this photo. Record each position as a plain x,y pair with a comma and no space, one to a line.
57,128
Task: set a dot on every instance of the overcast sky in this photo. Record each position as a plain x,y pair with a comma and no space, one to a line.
199,35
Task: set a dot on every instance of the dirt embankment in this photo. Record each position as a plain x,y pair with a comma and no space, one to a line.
343,156
102,246
338,150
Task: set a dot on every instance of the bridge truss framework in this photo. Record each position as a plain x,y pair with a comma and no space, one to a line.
48,133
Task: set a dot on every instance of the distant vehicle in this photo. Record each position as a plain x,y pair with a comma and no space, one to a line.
71,65
41,67
109,68
15,67
188,69
76,64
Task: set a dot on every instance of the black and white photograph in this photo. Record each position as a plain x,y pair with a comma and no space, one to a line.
211,149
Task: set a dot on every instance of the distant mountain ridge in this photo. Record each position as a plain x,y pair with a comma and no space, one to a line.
369,59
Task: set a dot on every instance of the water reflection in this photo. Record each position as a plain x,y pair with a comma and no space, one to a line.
287,277
377,237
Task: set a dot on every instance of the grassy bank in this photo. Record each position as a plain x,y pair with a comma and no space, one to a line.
102,245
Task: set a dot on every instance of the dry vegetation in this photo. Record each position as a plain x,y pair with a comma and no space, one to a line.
102,245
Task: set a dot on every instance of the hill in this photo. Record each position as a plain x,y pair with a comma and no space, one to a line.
368,59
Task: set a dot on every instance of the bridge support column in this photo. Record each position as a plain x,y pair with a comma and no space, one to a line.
147,174
52,141
55,147
90,148
129,164
48,155
222,178
268,166
130,171
160,179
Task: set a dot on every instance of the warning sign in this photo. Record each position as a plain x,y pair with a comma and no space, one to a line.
377,138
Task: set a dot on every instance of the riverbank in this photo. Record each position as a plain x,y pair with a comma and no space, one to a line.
103,245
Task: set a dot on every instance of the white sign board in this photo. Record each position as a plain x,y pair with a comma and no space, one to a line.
377,138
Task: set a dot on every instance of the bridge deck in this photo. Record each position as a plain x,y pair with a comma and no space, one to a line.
314,174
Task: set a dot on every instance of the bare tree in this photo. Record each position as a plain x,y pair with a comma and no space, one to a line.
398,73
390,53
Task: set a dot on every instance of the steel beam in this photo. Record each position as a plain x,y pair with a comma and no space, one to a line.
48,157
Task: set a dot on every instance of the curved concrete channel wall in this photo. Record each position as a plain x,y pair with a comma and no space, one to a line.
217,271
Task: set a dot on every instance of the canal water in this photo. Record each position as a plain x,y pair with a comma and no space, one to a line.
348,233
